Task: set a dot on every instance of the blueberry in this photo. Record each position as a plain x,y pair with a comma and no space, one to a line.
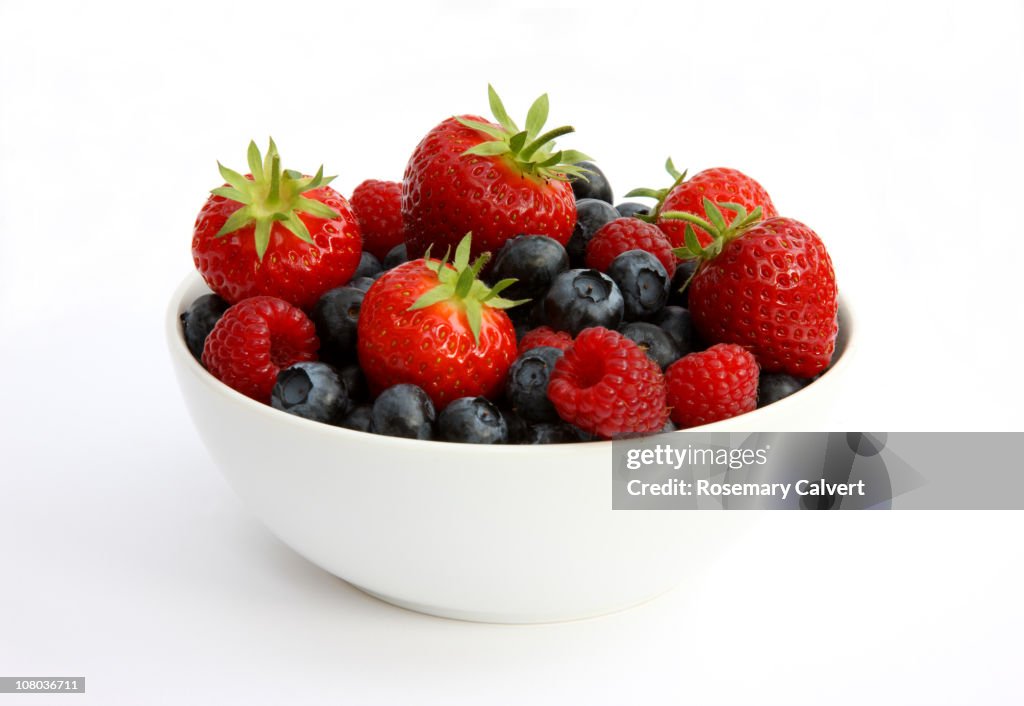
359,419
336,316
579,299
472,420
355,382
533,260
527,387
643,281
772,387
681,276
395,257
403,410
591,214
669,426
677,323
369,266
556,433
518,429
199,320
632,208
593,185
312,390
655,341
363,284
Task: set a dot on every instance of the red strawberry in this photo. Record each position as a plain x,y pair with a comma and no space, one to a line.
378,207
275,233
606,385
766,285
433,324
472,175
254,340
720,185
712,385
624,234
544,336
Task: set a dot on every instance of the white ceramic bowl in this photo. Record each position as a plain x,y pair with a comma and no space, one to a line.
512,534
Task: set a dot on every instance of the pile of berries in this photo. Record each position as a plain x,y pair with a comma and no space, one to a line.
496,294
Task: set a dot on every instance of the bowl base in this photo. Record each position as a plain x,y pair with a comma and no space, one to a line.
509,618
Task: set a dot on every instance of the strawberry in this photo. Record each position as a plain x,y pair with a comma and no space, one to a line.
254,340
766,285
720,185
493,180
712,385
275,233
434,324
378,206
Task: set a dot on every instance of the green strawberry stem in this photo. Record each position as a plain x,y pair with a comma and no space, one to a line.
458,286
721,232
529,151
659,195
271,195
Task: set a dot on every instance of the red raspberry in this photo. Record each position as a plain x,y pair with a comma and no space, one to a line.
606,385
544,336
378,207
624,234
254,340
712,385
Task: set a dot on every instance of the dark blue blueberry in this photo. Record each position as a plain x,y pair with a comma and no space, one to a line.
593,185
632,208
359,419
472,420
553,433
533,260
772,387
355,382
363,284
518,429
312,390
369,266
655,341
643,281
336,316
681,276
579,299
678,324
403,410
527,386
591,214
199,320
395,257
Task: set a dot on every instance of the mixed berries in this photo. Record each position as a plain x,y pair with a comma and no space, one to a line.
496,295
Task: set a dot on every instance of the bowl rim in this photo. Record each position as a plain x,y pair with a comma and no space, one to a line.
179,350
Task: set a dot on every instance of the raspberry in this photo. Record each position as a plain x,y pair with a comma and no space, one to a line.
544,336
624,234
378,207
254,340
712,385
606,385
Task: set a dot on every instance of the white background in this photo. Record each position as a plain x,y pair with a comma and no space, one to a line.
893,129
